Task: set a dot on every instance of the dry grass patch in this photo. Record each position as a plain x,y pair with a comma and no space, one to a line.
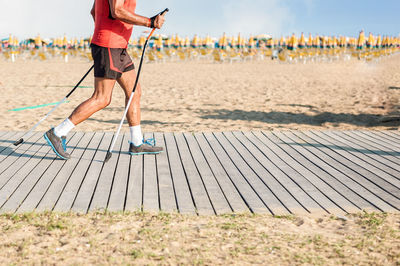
142,238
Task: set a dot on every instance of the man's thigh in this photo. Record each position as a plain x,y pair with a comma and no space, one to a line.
103,86
127,82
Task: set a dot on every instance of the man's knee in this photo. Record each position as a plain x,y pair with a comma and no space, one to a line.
136,96
102,102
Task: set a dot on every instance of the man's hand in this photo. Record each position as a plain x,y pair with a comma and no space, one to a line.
157,21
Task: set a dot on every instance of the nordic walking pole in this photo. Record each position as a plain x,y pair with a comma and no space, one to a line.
109,152
16,143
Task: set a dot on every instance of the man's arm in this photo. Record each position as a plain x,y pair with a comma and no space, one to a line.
119,12
93,10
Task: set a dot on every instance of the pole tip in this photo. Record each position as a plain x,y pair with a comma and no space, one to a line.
108,156
18,142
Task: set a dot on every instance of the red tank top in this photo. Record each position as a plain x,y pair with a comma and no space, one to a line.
108,32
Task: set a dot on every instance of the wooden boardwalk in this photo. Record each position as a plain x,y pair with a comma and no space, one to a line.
279,172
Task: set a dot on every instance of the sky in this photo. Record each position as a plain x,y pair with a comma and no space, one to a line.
54,18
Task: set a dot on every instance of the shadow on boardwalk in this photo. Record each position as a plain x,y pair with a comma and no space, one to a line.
345,148
363,120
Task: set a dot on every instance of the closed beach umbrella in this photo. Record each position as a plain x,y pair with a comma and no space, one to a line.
361,40
378,44
195,41
370,41
302,41
310,41
38,41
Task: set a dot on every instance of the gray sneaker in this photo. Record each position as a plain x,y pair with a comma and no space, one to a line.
57,144
148,147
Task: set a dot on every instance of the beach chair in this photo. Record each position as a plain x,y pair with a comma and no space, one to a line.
170,53
293,57
234,56
7,55
246,55
204,53
151,58
181,55
268,53
42,56
134,53
160,56
89,56
282,57
218,58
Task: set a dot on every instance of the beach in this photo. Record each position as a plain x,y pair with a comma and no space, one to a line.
201,96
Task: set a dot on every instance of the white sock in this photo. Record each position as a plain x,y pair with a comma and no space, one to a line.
64,128
136,135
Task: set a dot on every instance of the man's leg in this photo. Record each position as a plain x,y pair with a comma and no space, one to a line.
127,81
101,98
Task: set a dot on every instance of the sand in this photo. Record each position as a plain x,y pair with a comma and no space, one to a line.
205,96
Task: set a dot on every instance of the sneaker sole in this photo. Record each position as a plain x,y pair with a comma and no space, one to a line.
144,153
54,149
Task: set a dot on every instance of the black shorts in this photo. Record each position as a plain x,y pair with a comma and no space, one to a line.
110,62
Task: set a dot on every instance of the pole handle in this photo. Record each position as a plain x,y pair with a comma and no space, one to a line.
159,14
165,11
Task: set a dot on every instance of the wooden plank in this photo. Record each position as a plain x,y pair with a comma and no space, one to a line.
353,191
384,150
325,194
283,193
18,158
359,166
266,195
105,179
183,195
244,187
88,185
308,165
165,184
290,180
392,133
235,200
387,145
7,140
12,154
134,193
386,135
119,187
386,153
386,138
40,188
150,181
216,195
6,151
9,137
379,198
3,136
364,151
21,169
72,180
199,193
30,179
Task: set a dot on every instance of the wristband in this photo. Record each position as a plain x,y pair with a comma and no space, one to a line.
152,21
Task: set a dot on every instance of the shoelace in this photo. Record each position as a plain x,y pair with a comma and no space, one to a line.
64,143
151,142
